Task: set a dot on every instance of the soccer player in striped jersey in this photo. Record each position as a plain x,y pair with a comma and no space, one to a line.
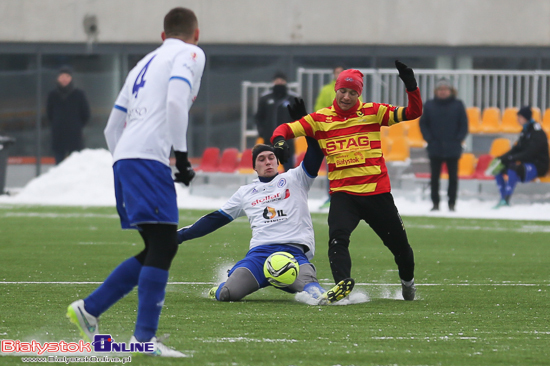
149,118
348,133
276,206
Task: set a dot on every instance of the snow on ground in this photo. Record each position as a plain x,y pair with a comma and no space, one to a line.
86,179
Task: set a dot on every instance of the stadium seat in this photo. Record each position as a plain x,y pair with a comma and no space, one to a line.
499,146
299,158
482,163
210,160
466,166
474,119
490,120
245,165
546,121
536,114
300,145
229,160
414,134
385,143
400,150
510,121
397,130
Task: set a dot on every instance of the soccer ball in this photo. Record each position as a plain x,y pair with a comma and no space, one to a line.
281,269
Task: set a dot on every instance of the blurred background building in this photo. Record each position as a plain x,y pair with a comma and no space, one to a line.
245,40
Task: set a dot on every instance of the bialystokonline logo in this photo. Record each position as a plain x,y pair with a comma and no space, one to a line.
102,343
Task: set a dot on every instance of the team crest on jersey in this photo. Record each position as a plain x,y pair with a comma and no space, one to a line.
194,56
281,183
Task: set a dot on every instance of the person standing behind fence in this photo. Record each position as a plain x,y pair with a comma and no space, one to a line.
272,111
526,160
68,112
444,125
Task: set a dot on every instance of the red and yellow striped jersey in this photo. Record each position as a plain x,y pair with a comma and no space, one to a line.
351,142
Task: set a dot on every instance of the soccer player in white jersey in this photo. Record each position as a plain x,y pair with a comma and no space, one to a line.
276,206
149,118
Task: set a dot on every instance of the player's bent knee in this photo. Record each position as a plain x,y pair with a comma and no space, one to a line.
307,275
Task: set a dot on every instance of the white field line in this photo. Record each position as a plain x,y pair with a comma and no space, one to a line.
326,284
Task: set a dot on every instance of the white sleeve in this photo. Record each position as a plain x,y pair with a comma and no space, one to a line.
117,120
302,177
177,113
234,207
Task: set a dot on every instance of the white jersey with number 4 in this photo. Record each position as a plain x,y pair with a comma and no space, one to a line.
278,210
144,98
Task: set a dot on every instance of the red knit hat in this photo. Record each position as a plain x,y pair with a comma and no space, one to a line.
351,79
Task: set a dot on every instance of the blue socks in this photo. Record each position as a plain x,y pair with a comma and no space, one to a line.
314,289
151,291
506,188
119,283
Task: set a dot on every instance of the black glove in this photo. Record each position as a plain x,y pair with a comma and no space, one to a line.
282,150
185,173
297,110
407,75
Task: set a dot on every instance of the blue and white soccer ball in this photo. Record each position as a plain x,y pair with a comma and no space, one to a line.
281,269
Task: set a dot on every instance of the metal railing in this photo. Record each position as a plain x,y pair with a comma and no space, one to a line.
477,88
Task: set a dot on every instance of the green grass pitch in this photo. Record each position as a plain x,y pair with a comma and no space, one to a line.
483,293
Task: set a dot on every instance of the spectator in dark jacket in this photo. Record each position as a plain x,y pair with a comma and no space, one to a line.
68,111
272,112
444,126
526,160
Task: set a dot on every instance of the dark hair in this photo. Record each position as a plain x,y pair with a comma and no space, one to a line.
180,22
279,75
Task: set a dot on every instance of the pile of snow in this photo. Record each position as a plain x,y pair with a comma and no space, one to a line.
86,179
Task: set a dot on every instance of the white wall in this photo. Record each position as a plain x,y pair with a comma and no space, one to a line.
351,22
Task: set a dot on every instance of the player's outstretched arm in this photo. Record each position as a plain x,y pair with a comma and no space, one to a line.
205,225
414,108
313,158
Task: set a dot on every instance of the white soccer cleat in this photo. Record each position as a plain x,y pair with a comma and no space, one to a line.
161,350
86,323
408,292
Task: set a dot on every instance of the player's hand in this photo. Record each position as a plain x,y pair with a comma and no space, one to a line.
185,172
407,75
507,160
297,110
282,150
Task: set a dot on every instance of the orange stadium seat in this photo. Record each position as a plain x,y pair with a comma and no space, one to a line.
400,150
414,134
510,121
300,145
536,114
466,166
299,158
397,130
474,119
482,164
229,160
385,143
210,160
546,121
245,165
490,120
499,146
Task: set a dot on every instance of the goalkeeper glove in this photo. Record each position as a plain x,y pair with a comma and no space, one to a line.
407,75
297,110
185,173
282,150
